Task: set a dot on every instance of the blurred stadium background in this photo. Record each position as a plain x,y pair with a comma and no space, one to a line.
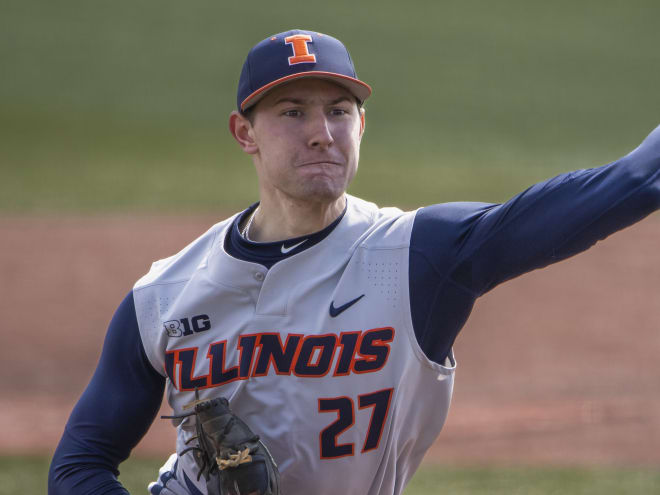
113,121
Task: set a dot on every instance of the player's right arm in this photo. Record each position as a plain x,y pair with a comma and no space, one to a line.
112,415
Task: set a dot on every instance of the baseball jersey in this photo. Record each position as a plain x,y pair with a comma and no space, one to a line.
319,357
337,352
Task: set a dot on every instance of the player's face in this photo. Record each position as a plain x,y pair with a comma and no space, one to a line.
307,140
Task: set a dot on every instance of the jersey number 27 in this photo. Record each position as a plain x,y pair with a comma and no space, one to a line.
344,407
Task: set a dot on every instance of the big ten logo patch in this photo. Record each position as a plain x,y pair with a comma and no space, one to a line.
187,326
301,53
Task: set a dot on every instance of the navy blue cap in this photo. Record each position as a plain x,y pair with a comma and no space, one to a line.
294,54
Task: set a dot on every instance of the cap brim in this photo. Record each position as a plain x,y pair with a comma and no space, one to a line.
359,89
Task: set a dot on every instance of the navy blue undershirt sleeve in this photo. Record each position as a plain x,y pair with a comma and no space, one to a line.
459,251
112,415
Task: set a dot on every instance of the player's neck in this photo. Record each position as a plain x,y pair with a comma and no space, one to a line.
280,220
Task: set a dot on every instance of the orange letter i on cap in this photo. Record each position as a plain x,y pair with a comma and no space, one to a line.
300,53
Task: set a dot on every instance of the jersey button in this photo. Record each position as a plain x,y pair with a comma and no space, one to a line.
259,277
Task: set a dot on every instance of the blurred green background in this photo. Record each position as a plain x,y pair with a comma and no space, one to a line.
17,475
122,106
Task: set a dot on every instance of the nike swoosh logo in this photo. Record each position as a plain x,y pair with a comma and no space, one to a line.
285,249
337,311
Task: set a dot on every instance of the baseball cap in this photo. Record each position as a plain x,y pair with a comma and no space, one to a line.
292,55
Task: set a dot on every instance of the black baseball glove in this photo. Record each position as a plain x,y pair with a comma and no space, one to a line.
228,453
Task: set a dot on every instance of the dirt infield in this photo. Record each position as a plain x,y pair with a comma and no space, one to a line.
560,366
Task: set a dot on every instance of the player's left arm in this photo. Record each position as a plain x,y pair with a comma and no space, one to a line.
459,251
559,218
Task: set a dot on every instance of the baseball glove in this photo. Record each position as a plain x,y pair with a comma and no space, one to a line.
228,454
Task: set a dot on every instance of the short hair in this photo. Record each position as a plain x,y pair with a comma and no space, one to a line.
248,114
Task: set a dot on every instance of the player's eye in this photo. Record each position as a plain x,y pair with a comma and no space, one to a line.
339,111
292,113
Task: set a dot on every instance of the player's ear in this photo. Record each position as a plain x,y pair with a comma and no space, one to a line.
241,128
362,120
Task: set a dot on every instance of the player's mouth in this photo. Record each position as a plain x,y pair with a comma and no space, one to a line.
321,162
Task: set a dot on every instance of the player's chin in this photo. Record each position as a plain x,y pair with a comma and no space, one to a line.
323,189
325,184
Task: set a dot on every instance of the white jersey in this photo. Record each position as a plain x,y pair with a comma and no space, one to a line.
317,355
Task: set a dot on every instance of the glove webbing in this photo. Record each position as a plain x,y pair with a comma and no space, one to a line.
234,459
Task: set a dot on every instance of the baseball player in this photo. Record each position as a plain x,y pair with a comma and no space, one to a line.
325,321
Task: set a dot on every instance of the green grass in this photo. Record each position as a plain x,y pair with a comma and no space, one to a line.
533,481
27,476
123,105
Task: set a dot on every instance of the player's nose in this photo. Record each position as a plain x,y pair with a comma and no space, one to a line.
320,133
